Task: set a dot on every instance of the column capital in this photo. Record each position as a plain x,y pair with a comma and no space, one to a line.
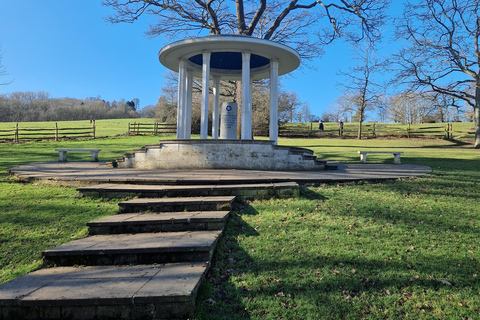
246,54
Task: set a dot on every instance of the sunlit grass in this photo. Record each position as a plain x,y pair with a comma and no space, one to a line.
367,250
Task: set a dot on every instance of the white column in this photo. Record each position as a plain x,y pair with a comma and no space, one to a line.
205,95
216,107
181,99
246,97
188,109
273,133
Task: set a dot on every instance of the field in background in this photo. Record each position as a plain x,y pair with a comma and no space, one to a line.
104,128
115,127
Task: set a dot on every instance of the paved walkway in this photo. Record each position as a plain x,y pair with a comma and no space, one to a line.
88,173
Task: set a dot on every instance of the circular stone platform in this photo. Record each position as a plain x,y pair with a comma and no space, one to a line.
90,173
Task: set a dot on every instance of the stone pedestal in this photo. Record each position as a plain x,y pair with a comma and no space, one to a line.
228,126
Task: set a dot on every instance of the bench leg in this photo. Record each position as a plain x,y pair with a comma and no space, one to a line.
94,156
62,156
363,157
396,159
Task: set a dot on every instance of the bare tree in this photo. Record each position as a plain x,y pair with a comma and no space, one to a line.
410,107
447,108
304,26
288,106
443,50
3,70
304,113
360,81
342,108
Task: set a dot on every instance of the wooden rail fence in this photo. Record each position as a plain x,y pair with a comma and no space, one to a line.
156,128
369,130
18,134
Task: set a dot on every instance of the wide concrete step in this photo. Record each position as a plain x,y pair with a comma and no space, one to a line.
178,204
164,291
141,248
159,222
246,191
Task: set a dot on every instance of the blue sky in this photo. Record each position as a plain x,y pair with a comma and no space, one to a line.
67,49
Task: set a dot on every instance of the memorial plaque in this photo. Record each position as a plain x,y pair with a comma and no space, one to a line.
228,121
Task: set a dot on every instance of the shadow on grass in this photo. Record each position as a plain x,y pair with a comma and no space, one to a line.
430,272
327,285
218,292
309,194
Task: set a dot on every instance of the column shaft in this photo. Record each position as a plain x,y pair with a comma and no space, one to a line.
246,132
181,100
188,108
205,95
273,132
216,107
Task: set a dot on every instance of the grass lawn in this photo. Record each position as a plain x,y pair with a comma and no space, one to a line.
368,250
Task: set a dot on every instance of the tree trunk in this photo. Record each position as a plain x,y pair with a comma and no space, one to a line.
477,126
360,121
476,111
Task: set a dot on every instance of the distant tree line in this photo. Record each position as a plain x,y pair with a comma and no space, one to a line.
407,107
39,106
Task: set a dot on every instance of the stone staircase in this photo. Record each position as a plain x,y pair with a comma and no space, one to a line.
147,262
181,154
247,191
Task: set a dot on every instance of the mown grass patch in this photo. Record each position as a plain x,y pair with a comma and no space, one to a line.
367,250
35,218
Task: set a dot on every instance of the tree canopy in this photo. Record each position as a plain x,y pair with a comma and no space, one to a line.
306,27
442,52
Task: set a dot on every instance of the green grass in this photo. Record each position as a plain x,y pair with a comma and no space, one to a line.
360,250
408,248
33,217
103,128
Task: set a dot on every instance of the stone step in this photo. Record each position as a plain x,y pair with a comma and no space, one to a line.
129,249
177,204
166,291
246,191
159,222
331,166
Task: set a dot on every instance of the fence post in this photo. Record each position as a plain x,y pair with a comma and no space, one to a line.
15,135
93,128
155,128
56,132
408,131
374,134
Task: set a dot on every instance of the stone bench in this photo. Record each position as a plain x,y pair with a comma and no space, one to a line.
62,153
396,155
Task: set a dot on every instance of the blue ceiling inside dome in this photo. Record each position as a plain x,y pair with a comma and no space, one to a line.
230,60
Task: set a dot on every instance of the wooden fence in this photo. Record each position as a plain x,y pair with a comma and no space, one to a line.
370,130
156,128
19,134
